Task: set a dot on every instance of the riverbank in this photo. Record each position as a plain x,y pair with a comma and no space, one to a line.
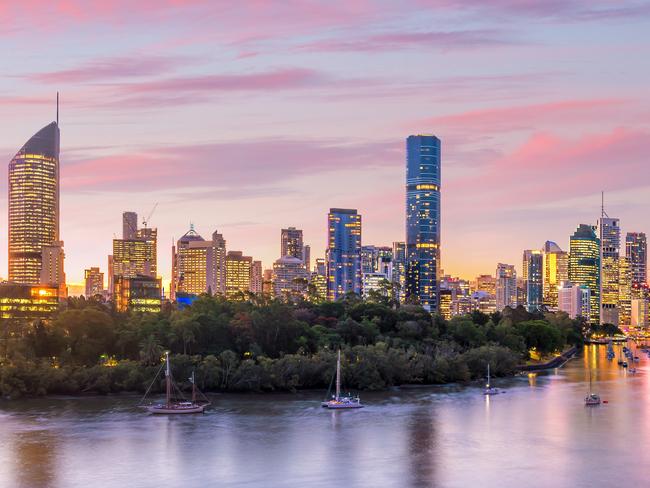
556,362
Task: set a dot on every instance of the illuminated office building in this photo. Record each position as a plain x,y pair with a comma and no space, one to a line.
33,204
291,243
343,253
133,257
139,294
506,286
238,274
556,272
584,266
624,292
445,308
318,281
94,281
610,241
533,262
22,302
636,251
423,220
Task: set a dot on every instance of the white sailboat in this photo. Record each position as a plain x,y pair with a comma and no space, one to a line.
172,406
591,398
341,402
489,390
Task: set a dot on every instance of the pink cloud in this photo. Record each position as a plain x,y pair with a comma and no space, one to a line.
110,68
500,119
548,167
221,165
402,40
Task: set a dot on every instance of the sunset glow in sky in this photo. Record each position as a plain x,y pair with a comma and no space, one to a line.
251,116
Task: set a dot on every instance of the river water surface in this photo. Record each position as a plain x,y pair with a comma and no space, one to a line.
537,434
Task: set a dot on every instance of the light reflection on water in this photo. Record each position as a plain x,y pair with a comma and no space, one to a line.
537,434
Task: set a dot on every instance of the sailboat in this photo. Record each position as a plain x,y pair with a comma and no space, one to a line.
489,390
171,405
341,402
591,398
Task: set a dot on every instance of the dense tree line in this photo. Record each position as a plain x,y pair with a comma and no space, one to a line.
263,344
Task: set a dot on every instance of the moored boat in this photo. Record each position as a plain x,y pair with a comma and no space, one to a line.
338,401
490,390
172,405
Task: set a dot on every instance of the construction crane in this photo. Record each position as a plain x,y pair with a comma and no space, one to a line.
145,221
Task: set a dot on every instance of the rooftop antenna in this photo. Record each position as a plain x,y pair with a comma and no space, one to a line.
603,214
57,109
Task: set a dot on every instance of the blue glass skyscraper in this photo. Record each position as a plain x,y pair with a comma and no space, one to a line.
423,220
343,252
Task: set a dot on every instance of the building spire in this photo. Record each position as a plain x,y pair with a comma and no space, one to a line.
603,214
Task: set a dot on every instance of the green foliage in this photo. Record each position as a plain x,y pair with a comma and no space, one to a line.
263,344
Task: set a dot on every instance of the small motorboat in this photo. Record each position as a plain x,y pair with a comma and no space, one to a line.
490,390
592,399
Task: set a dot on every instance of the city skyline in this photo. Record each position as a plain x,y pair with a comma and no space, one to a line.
139,127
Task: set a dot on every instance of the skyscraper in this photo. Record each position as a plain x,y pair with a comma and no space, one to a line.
33,204
636,251
610,242
135,257
556,271
423,220
238,274
533,263
257,277
506,286
584,266
574,300
94,281
291,243
52,270
343,252
290,278
129,225
399,269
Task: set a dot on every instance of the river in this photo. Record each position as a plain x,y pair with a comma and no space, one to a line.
537,434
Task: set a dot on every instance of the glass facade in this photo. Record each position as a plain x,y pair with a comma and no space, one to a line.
534,280
343,253
423,220
584,266
138,294
556,272
238,274
636,251
33,204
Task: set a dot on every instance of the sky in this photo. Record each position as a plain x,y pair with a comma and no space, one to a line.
247,117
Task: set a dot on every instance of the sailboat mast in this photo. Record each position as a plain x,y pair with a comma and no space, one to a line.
193,389
338,377
488,376
168,379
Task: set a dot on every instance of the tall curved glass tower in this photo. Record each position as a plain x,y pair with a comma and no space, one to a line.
423,220
33,204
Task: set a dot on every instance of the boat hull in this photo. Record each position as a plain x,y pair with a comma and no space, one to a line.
164,410
344,406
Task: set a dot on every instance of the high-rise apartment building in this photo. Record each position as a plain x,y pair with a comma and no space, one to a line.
238,274
193,266
399,270
33,204
52,269
610,242
574,300
533,270
556,271
506,286
636,251
584,265
423,220
290,278
343,252
94,281
257,277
